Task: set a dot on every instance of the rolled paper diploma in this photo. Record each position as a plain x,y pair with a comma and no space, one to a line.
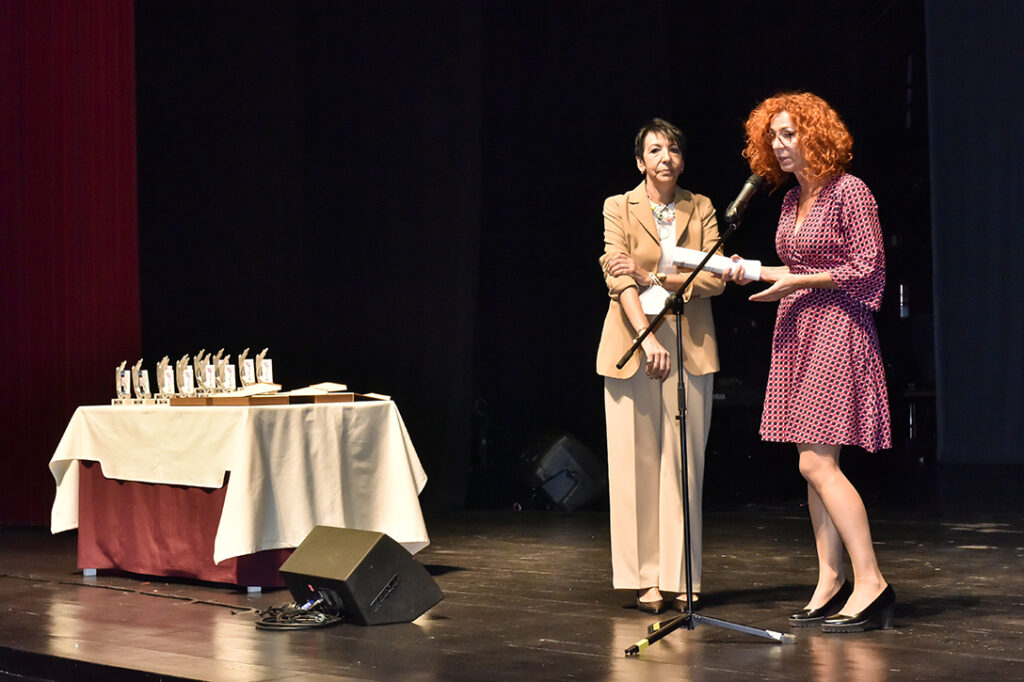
691,258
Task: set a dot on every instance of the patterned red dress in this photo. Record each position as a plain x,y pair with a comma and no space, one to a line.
827,383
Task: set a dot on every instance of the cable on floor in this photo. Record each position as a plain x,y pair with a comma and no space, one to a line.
312,614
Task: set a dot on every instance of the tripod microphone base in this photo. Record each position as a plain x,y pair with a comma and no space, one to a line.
691,620
779,637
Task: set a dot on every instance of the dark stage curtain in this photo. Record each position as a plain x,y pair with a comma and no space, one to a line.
309,181
418,212
975,68
565,91
68,228
403,196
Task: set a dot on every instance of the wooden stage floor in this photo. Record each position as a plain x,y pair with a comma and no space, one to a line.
528,596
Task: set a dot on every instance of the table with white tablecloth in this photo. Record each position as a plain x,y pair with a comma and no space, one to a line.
281,470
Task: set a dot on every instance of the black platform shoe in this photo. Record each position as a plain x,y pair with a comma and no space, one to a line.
809,617
877,615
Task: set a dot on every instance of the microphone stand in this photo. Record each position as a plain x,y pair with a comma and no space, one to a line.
690,619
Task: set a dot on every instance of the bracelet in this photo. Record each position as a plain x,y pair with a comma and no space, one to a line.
661,277
639,332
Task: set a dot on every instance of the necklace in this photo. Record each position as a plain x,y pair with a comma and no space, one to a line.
665,216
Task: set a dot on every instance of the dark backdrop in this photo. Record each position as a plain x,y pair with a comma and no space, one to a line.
406,197
975,68
565,90
310,182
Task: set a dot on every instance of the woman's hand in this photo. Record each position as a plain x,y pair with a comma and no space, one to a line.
735,273
782,281
782,285
622,264
658,362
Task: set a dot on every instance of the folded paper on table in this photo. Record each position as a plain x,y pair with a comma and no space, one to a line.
691,258
323,388
253,389
319,398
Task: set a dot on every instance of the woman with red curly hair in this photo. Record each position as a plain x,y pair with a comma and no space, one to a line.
826,386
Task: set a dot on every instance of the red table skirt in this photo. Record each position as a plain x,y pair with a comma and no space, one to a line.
165,530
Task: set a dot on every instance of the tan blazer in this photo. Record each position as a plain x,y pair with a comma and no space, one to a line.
629,227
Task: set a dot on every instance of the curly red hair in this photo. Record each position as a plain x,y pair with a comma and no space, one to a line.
826,143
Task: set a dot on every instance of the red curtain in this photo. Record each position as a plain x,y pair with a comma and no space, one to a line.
69,273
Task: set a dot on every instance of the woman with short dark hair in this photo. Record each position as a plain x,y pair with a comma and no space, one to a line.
641,230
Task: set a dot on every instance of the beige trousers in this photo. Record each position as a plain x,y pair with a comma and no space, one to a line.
645,474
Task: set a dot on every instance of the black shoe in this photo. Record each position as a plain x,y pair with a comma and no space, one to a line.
809,617
877,615
679,603
656,606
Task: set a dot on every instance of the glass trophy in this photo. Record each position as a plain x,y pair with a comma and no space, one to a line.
222,372
246,368
199,364
264,368
164,378
123,384
210,377
186,385
144,390
138,375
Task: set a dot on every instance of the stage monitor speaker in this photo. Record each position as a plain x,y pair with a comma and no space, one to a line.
565,470
367,575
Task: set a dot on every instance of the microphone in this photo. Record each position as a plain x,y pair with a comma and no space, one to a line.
739,204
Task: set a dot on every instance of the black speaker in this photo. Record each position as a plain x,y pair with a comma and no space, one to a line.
367,575
565,470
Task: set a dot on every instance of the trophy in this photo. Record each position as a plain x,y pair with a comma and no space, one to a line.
199,364
225,373
213,372
186,379
246,368
123,384
140,381
164,378
264,368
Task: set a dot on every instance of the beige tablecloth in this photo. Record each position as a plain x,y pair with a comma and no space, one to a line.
348,465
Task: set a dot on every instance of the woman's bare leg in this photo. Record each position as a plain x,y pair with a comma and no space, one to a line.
831,571
819,465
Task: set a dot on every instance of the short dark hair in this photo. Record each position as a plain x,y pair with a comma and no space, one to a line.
659,125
